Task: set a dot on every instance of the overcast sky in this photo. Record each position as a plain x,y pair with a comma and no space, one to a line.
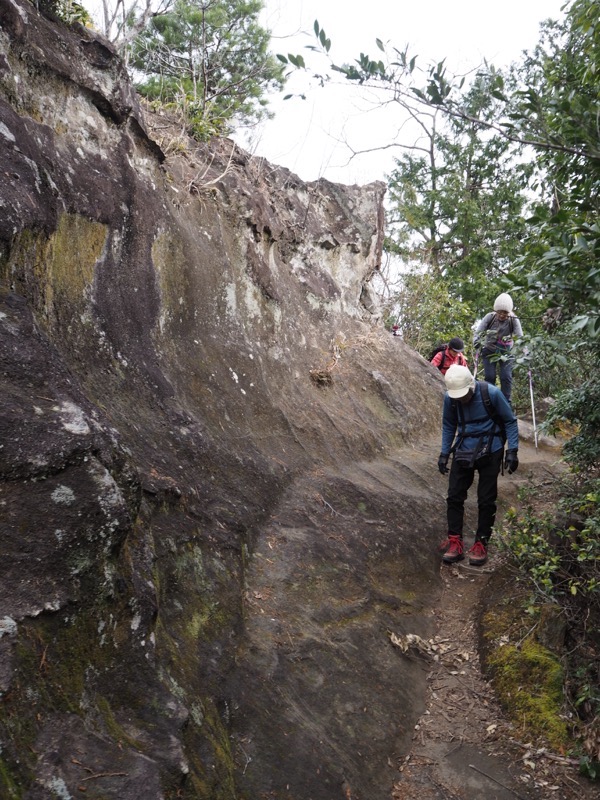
307,136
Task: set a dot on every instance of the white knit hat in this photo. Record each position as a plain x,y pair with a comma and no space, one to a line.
503,303
458,381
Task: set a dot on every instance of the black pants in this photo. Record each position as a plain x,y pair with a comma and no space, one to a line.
491,368
459,483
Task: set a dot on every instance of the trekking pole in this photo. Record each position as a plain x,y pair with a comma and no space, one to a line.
476,364
532,408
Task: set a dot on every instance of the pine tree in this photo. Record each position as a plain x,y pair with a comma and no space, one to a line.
211,59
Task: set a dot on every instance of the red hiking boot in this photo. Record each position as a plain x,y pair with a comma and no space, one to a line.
455,551
478,554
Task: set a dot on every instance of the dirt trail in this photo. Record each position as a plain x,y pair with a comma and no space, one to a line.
463,746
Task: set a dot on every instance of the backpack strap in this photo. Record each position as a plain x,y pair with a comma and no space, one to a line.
489,407
511,323
499,427
463,428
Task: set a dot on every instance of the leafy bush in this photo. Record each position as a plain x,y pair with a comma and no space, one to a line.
580,406
561,561
558,556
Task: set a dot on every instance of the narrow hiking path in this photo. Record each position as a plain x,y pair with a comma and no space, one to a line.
464,747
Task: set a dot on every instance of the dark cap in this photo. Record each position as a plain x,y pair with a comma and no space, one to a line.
456,344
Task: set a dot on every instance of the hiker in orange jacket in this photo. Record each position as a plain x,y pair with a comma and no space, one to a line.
451,354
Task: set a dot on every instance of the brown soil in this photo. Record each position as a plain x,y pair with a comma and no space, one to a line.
463,745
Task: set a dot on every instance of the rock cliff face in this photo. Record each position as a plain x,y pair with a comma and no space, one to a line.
213,495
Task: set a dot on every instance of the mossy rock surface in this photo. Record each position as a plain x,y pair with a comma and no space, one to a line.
527,677
529,681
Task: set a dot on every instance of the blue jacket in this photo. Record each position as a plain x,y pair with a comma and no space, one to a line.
478,421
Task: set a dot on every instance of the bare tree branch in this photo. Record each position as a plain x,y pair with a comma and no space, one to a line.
121,23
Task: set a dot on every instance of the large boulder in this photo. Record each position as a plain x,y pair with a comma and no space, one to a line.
217,498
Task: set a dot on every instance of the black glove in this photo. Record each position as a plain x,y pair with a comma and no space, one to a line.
511,462
443,463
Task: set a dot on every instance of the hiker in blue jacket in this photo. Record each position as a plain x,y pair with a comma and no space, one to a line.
476,421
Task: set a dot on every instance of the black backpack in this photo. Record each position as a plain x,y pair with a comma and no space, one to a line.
491,411
435,351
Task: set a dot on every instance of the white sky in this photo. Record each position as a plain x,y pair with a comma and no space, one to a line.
307,136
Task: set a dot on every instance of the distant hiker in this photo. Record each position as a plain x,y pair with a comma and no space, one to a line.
496,333
395,330
476,422
448,354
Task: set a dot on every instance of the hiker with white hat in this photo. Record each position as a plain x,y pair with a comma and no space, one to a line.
477,421
496,333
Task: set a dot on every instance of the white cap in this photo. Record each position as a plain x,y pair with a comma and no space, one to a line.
458,381
503,303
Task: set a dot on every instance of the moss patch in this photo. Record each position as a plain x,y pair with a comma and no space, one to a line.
184,637
8,785
529,682
527,677
59,270
53,656
74,250
112,726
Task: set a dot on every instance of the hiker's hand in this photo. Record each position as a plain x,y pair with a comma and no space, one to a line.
511,462
443,463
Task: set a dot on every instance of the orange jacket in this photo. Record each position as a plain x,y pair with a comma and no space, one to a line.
448,360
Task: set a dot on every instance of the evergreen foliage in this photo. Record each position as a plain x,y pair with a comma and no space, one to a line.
457,199
210,59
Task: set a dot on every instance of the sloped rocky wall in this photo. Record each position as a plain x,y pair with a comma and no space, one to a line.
213,495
